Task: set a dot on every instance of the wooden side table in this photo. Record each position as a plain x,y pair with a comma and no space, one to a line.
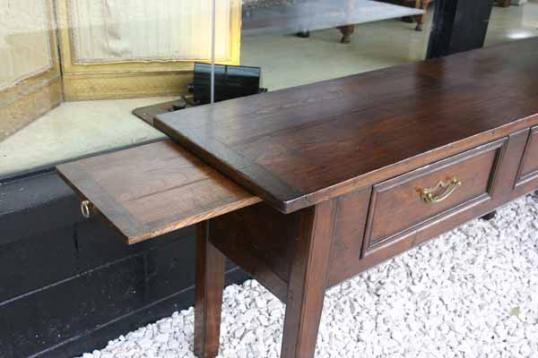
356,170
306,187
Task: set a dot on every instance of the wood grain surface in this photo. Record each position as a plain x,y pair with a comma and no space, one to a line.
153,189
300,146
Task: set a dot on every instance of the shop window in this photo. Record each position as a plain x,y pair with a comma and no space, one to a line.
74,71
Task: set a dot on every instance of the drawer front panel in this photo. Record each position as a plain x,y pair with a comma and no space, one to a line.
529,162
403,204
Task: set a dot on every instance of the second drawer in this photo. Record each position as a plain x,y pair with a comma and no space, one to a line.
404,204
528,170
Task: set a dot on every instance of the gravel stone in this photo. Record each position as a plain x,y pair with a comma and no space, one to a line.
472,292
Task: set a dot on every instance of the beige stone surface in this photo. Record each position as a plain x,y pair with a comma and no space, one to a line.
75,129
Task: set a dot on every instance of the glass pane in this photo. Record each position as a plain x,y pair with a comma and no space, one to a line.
74,70
297,42
86,76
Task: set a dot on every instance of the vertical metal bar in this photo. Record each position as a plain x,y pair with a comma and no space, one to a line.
213,35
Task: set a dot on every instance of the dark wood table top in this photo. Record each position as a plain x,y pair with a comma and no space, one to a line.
299,146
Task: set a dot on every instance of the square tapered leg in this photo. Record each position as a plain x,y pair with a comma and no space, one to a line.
308,281
210,265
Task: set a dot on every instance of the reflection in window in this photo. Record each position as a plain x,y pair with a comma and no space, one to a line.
511,22
73,71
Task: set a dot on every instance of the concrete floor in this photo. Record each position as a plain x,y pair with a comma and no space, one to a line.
79,128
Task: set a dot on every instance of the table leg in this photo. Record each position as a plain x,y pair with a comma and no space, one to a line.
346,31
303,34
504,3
210,265
422,5
489,216
308,281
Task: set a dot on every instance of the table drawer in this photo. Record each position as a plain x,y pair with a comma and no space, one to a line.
529,163
405,204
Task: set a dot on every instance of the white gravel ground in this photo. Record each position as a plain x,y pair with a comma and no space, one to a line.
472,292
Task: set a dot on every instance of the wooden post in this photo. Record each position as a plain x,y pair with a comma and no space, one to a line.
210,265
308,281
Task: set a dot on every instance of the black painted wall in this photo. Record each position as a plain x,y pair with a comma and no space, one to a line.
68,285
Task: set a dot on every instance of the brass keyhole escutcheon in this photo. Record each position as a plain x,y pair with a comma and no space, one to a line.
86,208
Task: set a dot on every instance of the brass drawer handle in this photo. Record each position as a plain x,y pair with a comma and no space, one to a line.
86,208
441,191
